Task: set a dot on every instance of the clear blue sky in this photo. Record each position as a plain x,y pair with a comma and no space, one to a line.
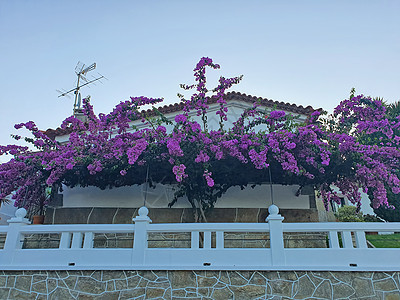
303,52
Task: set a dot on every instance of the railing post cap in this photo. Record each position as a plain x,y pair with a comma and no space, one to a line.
143,211
20,214
273,209
274,213
143,215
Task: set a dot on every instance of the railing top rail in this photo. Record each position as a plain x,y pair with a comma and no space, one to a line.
337,226
96,228
228,227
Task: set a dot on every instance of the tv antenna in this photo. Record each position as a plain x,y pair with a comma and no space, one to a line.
80,70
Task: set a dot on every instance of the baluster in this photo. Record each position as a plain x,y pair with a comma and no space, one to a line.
195,240
88,241
333,239
65,240
361,241
76,240
220,240
207,240
347,240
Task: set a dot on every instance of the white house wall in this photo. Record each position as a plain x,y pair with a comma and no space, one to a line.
160,197
7,210
133,196
365,205
235,110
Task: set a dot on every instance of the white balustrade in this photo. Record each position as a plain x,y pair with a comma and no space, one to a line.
207,248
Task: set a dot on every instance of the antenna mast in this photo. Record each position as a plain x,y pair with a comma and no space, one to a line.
81,71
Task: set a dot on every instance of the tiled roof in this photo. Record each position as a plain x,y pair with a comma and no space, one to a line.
176,107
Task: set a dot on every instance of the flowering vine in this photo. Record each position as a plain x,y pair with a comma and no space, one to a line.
110,151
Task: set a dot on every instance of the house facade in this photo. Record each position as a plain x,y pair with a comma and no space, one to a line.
237,205
215,262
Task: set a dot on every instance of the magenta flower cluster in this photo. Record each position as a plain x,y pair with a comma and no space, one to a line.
209,180
110,147
179,172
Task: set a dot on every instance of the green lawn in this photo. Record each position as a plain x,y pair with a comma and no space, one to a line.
385,241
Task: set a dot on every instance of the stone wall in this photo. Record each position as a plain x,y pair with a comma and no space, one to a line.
198,285
180,240
102,215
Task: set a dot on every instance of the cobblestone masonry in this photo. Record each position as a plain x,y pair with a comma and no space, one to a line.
198,285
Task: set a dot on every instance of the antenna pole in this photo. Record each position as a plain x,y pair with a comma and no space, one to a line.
80,72
76,93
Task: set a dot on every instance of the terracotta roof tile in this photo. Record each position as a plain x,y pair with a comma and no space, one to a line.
172,108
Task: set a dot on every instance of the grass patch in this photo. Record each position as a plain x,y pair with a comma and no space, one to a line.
384,240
